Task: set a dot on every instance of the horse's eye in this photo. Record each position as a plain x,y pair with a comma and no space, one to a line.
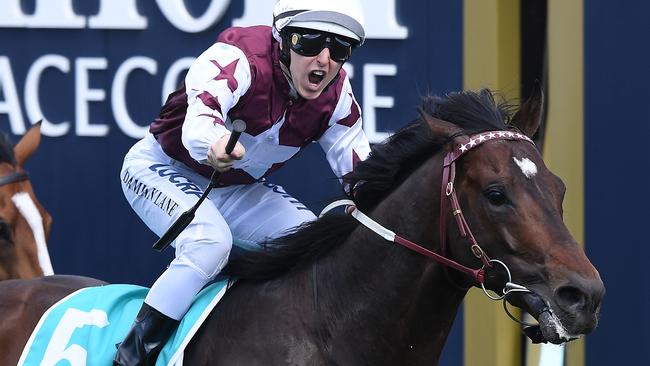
496,196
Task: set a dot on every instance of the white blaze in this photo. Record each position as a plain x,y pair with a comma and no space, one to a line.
28,209
527,167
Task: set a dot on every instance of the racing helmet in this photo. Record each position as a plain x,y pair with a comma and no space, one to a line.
340,17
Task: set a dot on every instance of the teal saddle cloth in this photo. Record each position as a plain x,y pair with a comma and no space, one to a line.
83,328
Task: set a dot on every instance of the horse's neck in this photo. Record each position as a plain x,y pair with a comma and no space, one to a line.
401,300
368,302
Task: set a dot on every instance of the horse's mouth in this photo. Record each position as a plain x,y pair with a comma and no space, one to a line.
550,327
549,330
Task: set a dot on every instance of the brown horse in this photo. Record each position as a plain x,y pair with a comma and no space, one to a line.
24,223
335,292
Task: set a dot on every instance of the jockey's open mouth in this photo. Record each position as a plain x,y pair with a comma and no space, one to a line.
316,76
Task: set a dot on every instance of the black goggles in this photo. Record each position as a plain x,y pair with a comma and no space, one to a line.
308,42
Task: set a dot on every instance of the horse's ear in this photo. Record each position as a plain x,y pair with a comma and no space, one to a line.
28,143
440,128
529,116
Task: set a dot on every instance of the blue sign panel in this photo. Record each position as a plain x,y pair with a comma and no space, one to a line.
617,176
98,71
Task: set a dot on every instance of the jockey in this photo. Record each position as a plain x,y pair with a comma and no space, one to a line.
287,83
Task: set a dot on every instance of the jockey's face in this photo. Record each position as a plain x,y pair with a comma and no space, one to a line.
311,74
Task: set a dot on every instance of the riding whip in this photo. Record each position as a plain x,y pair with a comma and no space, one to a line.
238,126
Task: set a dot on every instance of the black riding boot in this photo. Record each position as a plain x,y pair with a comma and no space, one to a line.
146,338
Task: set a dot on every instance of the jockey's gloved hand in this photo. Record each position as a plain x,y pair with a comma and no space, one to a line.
218,158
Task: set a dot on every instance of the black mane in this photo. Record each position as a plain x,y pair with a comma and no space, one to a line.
6,150
389,164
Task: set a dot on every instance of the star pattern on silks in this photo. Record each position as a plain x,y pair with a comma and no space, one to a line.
486,136
215,120
211,102
227,73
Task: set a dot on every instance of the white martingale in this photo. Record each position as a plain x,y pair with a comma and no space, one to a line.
527,167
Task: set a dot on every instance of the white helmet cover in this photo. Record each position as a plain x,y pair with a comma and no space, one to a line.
342,17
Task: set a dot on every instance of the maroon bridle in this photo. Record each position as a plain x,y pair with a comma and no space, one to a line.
447,193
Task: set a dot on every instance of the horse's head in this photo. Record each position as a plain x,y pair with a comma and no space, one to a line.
512,204
24,223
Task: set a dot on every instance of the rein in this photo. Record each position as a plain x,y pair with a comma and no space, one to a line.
478,274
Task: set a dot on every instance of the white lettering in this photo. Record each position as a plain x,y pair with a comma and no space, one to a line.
12,14
55,14
256,12
10,106
32,101
381,20
117,14
371,100
177,14
172,77
73,319
118,94
380,17
85,94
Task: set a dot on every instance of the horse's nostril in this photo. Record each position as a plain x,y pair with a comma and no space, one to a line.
571,299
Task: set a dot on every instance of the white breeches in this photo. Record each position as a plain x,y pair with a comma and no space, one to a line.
160,189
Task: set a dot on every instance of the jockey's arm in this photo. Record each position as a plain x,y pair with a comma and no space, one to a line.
215,82
344,141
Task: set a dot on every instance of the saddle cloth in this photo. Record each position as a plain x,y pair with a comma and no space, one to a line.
84,327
